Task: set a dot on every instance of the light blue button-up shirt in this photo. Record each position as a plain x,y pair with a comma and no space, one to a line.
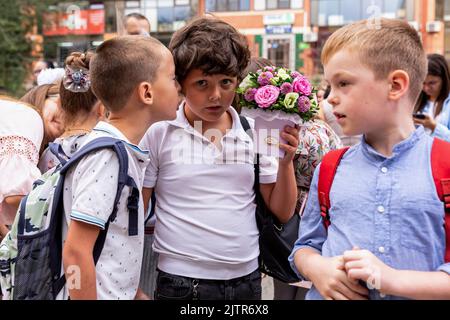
387,205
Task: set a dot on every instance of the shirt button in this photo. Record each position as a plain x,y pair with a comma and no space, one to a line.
384,170
381,249
380,209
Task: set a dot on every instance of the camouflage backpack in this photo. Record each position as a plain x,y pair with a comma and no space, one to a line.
31,253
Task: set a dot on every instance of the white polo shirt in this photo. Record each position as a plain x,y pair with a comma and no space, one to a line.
89,191
205,211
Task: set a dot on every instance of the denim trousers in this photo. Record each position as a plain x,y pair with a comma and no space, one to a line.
174,287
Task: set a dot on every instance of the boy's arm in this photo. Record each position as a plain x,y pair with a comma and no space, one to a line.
281,196
364,265
93,191
327,274
146,195
78,260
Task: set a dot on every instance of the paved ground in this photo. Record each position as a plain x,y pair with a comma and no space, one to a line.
267,287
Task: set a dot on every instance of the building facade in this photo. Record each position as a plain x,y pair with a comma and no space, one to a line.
289,32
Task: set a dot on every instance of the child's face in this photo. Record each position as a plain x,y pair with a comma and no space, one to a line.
432,86
52,116
359,100
166,90
208,96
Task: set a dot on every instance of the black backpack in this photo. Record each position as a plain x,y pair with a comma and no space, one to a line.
276,240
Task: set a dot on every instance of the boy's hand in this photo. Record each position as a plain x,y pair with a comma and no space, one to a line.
331,281
290,134
365,266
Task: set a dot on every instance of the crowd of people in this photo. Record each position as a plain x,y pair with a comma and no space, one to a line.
196,235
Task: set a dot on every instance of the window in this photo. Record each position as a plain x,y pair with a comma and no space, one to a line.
340,12
227,5
278,4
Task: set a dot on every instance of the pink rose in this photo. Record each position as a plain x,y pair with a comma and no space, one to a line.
264,78
295,74
266,96
286,88
304,104
249,95
302,85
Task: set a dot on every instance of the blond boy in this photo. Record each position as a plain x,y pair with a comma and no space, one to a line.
386,231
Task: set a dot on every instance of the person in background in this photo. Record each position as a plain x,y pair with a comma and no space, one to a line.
136,24
21,134
80,107
46,99
38,67
434,101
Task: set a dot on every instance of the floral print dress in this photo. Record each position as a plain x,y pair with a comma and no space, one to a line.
316,138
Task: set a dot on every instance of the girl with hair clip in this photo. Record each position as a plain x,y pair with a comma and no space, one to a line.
80,108
433,106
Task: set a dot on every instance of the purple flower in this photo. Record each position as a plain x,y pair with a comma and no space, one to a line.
302,85
266,96
286,88
249,95
269,68
264,78
304,104
295,74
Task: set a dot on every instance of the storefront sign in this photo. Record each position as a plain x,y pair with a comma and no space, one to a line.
278,29
279,19
82,22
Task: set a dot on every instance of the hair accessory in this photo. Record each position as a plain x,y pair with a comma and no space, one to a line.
77,80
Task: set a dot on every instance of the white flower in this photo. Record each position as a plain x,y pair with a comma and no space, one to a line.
283,74
290,100
247,83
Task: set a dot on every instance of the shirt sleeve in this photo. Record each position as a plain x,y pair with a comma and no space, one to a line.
150,142
441,132
312,233
268,169
94,188
445,268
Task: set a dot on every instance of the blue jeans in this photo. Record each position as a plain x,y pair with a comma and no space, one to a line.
173,287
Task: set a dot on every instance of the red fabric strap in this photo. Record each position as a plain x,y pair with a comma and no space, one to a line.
440,166
328,167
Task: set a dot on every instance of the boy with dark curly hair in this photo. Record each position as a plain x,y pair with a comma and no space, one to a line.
201,169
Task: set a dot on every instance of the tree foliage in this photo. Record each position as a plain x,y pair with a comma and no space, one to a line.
17,20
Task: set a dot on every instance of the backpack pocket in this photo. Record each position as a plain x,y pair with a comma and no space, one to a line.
33,277
6,268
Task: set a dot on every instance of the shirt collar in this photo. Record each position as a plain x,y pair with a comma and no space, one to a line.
116,133
398,149
236,130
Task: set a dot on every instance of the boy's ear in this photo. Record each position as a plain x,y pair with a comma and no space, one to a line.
398,84
145,93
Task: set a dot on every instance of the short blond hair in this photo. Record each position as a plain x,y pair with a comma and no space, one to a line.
391,45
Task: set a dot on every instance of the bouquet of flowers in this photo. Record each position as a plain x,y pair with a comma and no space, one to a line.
279,89
276,97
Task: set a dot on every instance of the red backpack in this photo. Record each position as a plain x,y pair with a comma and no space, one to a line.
440,167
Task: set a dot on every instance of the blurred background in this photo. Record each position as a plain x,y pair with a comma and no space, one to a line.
38,34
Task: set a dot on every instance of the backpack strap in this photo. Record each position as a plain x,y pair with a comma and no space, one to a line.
328,168
440,167
123,180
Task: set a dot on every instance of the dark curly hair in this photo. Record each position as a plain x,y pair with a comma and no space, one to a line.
211,45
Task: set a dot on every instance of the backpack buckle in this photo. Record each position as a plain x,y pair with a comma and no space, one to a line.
446,193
